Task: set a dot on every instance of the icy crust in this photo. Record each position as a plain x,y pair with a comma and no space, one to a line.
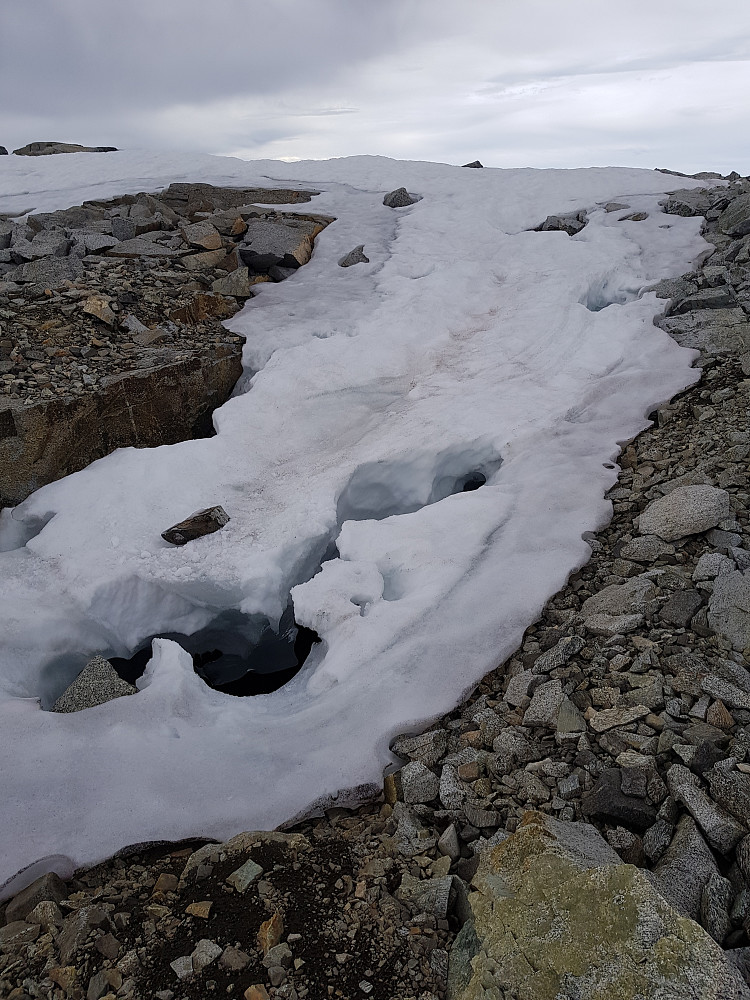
466,345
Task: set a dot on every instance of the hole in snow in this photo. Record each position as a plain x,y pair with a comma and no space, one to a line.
378,490
606,292
16,531
236,654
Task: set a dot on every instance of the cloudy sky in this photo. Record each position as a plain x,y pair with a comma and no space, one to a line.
514,82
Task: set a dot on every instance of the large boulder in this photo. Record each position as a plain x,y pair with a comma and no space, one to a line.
687,510
735,219
556,915
729,608
267,244
714,331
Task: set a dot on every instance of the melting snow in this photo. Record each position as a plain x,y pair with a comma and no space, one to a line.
466,345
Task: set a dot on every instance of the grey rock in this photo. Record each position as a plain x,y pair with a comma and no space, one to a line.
238,283
680,608
245,875
657,839
355,256
611,625
688,201
741,557
743,857
202,236
16,934
475,164
47,148
712,564
724,690
712,331
448,844
123,229
570,223
627,598
96,684
139,247
570,723
431,895
204,954
545,705
558,655
520,687
92,242
735,219
3,151
722,830
452,790
716,900
419,784
646,549
685,868
50,272
182,967
399,198
410,836
198,524
280,954
722,297
47,887
607,802
233,959
729,608
426,747
267,244
687,510
731,789
47,914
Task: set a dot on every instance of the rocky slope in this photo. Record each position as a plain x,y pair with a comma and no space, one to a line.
627,706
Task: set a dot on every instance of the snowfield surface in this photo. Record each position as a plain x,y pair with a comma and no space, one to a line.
370,393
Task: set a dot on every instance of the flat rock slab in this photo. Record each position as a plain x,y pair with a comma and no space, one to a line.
139,247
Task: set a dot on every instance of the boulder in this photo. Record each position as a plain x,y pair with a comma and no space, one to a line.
96,684
202,236
685,868
271,244
198,524
399,198
687,510
722,830
355,256
735,219
47,148
475,164
139,247
237,283
570,223
607,802
49,272
620,599
729,608
3,151
713,331
722,297
49,887
556,914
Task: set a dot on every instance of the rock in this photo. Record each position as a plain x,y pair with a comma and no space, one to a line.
49,887
610,625
202,236
419,784
399,198
234,960
475,164
558,655
99,306
239,846
688,201
355,256
448,844
203,261
713,331
730,694
570,723
729,609
735,219
280,954
520,687
270,933
256,992
244,875
607,802
545,705
731,789
610,718
657,839
3,151
16,934
716,901
47,148
722,831
106,981
204,954
687,510
201,909
722,297
182,967
270,244
628,598
139,247
426,747
47,914
570,223
96,684
556,914
680,608
50,272
238,283
198,524
76,928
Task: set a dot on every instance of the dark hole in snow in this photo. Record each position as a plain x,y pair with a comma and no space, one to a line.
474,481
235,654
605,292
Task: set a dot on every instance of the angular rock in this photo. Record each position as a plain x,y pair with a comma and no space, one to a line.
139,247
426,747
99,306
76,928
706,298
610,625
545,705
203,261
685,868
687,510
204,954
735,219
399,198
729,609
202,236
520,687
558,655
355,256
606,801
271,244
17,934
234,960
50,272
722,830
716,901
610,718
238,283
49,887
627,598
725,691
244,875
570,223
198,524
713,331
680,608
731,789
47,148
475,164
556,914
96,684
419,784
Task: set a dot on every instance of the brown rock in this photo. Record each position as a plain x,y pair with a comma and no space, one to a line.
202,235
270,932
256,992
202,522
47,887
64,976
203,261
99,306
201,909
166,882
204,305
718,715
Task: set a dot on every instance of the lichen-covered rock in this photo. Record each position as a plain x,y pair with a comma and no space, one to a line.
557,916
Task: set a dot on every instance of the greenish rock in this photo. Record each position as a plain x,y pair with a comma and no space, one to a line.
245,875
557,916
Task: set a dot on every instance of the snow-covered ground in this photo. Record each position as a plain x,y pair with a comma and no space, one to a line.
466,344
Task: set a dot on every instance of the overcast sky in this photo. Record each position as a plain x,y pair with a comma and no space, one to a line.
513,82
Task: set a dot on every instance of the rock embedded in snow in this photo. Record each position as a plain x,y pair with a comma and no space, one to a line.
96,684
399,198
47,148
198,524
570,223
687,510
270,244
355,256
475,164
